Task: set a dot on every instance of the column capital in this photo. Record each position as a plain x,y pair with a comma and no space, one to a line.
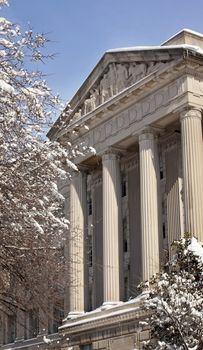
111,154
147,134
82,169
73,173
191,113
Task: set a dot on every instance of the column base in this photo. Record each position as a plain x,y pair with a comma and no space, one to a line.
74,314
109,304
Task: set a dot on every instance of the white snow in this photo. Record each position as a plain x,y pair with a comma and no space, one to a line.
3,2
4,22
6,43
196,248
46,340
148,48
6,87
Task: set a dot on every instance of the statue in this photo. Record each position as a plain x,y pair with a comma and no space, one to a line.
112,76
87,105
78,114
122,76
94,97
104,86
137,71
154,66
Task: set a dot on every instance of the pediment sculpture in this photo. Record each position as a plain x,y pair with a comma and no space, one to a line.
117,77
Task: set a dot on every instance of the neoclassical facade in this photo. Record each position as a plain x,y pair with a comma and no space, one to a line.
141,110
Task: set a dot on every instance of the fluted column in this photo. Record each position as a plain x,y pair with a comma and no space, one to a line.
111,226
192,158
149,199
76,242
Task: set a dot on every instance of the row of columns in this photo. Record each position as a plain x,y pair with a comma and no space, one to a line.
191,132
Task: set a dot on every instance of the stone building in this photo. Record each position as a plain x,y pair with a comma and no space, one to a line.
141,110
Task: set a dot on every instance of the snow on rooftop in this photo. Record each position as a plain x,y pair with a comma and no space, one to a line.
181,31
159,47
148,48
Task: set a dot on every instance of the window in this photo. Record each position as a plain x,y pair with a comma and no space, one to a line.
58,316
89,204
123,186
161,174
126,288
11,328
164,230
33,323
125,238
89,250
86,347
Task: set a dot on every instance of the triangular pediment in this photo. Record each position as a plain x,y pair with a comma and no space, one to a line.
115,72
126,71
117,77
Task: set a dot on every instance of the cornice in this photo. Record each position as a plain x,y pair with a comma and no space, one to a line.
104,319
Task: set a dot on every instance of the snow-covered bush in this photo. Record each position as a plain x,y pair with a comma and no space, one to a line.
176,301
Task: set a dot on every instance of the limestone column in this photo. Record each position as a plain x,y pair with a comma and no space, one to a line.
149,200
192,158
76,243
111,226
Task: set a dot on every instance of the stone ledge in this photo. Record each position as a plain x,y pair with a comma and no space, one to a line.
99,319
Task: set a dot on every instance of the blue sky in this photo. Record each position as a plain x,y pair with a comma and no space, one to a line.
82,30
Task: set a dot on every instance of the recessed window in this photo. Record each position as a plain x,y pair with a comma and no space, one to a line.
11,328
86,347
126,289
33,323
164,230
58,316
125,237
89,204
89,250
123,186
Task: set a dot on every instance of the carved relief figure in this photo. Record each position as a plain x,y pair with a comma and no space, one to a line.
118,77
87,105
112,76
78,114
137,71
154,66
94,97
122,76
104,88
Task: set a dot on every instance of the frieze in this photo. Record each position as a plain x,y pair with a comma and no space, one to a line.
117,77
197,85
